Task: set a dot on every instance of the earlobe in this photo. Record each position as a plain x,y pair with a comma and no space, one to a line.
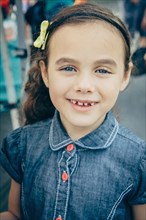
126,77
44,73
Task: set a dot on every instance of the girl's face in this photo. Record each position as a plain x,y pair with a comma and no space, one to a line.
85,74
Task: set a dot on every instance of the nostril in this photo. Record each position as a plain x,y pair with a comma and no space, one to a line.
84,91
84,86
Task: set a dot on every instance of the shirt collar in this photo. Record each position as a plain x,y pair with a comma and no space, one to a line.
100,138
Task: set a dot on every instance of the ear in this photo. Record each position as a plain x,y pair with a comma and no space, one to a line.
126,77
44,73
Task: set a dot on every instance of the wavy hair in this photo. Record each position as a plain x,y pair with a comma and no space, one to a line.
38,105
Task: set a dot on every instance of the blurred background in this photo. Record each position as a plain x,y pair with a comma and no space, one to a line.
20,21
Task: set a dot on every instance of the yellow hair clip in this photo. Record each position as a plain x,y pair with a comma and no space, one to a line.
40,42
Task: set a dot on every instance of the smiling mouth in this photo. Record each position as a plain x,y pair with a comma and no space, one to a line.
82,103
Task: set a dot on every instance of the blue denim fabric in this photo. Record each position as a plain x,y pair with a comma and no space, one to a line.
106,171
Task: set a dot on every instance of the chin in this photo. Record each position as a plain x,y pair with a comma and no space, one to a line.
83,123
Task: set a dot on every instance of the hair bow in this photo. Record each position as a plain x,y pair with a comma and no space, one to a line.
40,42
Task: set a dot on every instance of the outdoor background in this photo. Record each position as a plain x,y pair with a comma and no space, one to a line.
130,108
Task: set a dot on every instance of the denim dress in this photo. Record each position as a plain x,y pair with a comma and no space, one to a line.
98,177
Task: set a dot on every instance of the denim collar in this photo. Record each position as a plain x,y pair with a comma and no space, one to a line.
100,138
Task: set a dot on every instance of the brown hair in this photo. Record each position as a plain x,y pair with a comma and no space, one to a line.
38,105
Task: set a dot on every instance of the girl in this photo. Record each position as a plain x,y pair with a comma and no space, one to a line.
73,160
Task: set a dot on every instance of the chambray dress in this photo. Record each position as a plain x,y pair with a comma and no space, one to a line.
98,177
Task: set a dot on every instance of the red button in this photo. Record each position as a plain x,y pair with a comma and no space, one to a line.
70,147
59,218
64,176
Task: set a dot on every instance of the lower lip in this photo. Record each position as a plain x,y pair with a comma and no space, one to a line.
81,108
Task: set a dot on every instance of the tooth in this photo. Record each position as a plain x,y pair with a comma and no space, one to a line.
86,104
73,101
80,103
92,103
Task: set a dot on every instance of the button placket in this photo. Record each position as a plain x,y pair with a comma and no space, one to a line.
63,188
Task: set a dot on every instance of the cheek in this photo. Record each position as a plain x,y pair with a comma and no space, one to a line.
53,96
110,90
57,87
56,90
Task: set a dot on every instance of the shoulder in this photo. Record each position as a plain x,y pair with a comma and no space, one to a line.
130,144
40,124
38,131
16,145
133,151
37,126
127,135
18,138
19,133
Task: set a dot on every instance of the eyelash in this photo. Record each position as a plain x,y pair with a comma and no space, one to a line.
68,69
101,71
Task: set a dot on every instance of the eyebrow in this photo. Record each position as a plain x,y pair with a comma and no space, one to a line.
97,62
106,61
66,60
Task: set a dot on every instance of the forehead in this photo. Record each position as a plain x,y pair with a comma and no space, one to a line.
98,36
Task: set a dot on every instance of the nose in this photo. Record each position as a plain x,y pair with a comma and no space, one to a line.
85,84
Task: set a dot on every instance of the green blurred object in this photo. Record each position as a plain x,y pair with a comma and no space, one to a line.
15,67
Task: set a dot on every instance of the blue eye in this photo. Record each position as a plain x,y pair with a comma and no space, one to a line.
102,71
68,69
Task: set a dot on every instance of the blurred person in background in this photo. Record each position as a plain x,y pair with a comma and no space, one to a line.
5,7
53,7
141,23
135,18
34,16
131,12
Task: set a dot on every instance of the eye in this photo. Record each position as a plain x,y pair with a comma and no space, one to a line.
68,69
103,71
